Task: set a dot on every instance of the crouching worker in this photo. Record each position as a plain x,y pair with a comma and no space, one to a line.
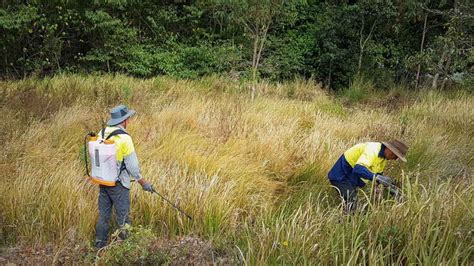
117,193
364,161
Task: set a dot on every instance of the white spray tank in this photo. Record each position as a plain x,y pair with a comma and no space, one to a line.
103,154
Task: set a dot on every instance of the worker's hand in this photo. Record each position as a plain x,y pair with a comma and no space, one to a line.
384,180
148,187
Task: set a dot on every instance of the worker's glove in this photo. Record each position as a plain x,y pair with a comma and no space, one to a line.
384,180
148,187
393,189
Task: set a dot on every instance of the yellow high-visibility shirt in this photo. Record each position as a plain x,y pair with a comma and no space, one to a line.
367,155
123,142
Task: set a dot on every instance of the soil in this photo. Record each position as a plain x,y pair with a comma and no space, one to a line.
186,250
191,250
42,255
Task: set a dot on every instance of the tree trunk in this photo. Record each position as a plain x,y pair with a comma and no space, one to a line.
363,42
330,73
361,47
258,44
446,72
440,67
359,66
417,81
262,42
254,64
6,60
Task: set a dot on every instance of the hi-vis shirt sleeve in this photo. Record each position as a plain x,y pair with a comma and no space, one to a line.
367,159
130,157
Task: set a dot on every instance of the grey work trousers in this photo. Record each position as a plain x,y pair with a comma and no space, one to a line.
118,197
348,193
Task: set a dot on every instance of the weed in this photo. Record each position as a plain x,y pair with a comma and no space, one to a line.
252,173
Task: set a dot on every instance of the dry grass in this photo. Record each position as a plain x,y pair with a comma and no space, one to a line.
252,173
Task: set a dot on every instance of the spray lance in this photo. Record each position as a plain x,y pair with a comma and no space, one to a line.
173,205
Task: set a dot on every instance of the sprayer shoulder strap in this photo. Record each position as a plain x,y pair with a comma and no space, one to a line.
113,133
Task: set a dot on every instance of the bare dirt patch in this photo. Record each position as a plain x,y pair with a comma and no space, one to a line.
185,250
192,250
42,255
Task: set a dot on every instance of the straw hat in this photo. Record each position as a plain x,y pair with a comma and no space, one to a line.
399,148
119,114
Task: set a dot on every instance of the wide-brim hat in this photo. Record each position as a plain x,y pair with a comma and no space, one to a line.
398,148
119,114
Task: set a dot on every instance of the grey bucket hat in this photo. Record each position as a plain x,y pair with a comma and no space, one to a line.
119,114
398,147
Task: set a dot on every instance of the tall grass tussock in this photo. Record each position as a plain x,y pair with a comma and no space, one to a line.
252,173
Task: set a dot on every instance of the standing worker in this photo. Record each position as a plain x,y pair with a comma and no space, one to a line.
363,161
118,194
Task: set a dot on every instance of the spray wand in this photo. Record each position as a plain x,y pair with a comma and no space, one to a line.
173,205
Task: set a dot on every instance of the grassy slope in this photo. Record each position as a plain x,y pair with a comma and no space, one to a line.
252,173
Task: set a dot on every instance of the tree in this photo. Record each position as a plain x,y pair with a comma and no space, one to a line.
456,45
370,14
256,18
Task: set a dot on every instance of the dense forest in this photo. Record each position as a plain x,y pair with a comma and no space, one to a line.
413,43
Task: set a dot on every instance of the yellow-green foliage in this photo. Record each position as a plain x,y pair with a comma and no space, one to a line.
251,173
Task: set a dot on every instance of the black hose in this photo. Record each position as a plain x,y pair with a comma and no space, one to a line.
90,134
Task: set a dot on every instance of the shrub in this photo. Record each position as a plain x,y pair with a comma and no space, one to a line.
134,250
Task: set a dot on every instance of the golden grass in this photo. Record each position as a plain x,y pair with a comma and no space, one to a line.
252,173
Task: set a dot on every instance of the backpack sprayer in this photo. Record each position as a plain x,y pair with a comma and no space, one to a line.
102,153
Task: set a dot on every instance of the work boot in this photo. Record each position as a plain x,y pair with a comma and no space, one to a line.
100,244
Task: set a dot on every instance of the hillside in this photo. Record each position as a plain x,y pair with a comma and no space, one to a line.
252,173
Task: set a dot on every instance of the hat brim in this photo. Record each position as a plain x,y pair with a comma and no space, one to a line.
395,151
114,122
